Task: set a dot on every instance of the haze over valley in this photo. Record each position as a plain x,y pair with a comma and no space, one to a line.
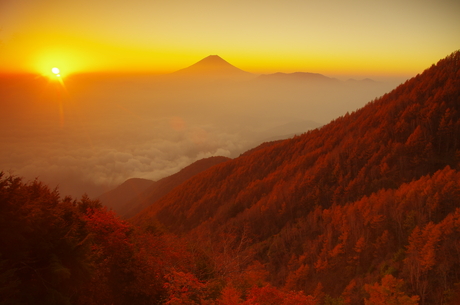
91,132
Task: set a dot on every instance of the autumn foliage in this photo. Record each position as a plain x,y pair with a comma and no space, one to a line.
363,197
365,210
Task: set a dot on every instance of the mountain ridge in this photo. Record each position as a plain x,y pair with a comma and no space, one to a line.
296,76
116,198
135,194
165,185
394,143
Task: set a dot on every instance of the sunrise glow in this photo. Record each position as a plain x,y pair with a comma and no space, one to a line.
391,38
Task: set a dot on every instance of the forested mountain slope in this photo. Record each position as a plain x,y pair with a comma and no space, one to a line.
410,132
294,199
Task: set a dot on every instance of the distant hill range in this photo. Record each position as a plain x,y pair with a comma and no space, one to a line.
214,67
297,77
365,80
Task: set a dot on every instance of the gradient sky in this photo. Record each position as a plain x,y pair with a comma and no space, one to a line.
361,37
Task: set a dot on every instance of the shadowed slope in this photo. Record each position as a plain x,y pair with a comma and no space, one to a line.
116,199
163,186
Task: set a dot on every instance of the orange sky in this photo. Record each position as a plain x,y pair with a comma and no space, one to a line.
357,37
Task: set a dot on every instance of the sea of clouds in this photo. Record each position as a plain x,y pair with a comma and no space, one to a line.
88,135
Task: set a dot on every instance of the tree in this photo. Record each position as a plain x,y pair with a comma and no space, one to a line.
44,249
183,288
229,296
389,292
124,270
269,295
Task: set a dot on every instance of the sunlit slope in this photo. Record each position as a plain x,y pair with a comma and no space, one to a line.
374,192
410,132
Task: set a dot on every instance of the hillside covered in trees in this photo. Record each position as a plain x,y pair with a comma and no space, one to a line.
365,210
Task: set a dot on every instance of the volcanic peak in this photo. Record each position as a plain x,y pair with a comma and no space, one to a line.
212,66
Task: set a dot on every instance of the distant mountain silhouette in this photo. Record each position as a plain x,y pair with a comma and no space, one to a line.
214,67
116,198
366,80
296,76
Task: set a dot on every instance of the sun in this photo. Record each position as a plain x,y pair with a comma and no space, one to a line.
55,64
56,71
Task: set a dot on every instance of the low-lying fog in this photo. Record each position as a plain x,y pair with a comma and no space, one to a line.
91,132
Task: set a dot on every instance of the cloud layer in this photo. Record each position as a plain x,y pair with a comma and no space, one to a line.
95,133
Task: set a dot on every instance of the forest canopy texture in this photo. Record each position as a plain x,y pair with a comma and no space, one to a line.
365,210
